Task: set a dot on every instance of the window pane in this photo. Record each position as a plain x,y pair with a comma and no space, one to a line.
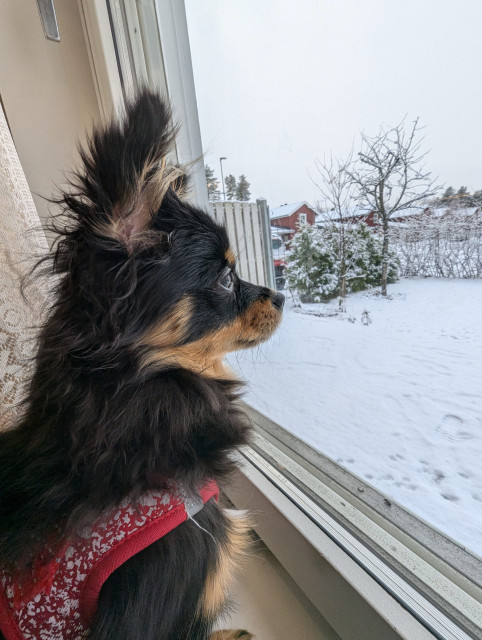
388,386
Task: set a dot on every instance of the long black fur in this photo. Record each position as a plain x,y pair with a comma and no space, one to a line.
97,426
167,604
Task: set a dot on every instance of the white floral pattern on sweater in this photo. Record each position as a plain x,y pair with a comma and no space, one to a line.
59,598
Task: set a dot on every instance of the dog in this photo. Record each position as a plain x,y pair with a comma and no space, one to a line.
110,525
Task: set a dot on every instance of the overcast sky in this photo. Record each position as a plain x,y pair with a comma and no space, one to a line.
282,82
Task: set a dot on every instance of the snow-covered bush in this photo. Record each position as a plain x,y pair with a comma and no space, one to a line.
312,265
321,259
442,244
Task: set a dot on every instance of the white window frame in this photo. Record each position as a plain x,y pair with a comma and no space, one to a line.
346,545
161,59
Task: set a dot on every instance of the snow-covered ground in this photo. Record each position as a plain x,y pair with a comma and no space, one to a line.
397,401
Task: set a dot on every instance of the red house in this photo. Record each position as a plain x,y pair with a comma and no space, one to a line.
290,216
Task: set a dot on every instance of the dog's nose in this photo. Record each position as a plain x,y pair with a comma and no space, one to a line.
278,300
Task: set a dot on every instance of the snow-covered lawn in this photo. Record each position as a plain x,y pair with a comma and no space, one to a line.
397,401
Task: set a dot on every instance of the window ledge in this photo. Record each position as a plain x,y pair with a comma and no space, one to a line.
344,574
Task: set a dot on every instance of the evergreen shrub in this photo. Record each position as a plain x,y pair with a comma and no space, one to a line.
315,264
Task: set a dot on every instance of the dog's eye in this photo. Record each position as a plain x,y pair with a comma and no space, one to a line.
227,281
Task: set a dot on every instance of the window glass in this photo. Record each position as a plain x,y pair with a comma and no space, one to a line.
389,386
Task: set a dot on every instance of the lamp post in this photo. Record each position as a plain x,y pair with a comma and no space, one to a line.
222,177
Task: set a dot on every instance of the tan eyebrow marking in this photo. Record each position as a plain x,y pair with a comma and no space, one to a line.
229,255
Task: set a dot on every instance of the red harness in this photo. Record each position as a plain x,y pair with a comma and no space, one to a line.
58,600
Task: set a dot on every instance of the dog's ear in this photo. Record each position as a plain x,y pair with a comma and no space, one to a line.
125,173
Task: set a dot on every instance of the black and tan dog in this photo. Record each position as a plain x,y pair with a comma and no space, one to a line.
130,416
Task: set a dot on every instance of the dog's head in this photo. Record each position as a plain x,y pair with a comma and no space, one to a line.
147,273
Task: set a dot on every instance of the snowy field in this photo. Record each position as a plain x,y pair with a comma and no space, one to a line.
398,401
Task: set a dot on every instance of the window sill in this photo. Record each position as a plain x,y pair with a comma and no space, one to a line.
346,576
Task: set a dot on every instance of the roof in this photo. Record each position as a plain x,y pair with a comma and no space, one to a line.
346,214
286,209
411,211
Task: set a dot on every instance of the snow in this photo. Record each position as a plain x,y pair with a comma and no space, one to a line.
327,217
438,212
285,210
461,212
397,401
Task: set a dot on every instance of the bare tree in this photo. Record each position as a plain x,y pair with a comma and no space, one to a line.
339,208
391,177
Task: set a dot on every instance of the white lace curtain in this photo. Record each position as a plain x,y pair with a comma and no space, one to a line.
21,241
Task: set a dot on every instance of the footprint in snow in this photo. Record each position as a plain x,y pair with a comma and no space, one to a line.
450,497
451,428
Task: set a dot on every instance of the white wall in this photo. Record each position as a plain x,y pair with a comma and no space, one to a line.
47,91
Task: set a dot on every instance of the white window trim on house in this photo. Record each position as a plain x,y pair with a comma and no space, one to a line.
368,576
302,218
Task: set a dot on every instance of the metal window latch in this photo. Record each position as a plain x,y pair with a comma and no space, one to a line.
49,19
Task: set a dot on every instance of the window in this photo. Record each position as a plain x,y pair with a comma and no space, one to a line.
302,218
385,387
360,402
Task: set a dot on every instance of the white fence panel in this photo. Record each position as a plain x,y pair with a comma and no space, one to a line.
244,225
